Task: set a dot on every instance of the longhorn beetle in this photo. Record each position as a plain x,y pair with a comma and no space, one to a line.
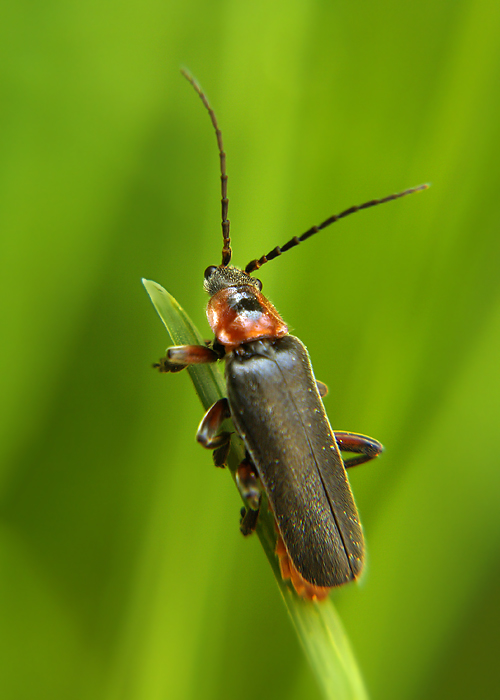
275,404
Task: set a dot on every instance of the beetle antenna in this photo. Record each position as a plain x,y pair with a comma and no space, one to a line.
255,264
226,246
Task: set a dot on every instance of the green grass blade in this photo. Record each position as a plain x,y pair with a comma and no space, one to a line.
317,624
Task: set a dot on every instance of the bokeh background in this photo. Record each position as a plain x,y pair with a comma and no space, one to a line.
123,574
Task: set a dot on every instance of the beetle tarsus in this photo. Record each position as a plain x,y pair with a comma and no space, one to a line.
220,454
248,521
164,365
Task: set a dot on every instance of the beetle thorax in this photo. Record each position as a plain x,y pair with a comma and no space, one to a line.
240,314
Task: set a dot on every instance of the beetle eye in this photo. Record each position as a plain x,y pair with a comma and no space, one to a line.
258,284
209,271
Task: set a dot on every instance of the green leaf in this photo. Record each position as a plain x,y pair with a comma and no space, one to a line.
317,624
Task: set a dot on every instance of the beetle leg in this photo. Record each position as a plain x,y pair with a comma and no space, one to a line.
208,433
365,447
248,521
180,356
249,487
322,388
220,454
248,484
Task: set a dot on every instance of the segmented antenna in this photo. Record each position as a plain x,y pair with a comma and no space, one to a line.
255,264
226,246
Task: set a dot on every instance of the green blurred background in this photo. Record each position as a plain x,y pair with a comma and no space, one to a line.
123,574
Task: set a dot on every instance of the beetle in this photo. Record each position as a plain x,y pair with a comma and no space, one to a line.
275,403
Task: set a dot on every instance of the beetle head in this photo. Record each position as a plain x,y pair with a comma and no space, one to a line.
217,278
